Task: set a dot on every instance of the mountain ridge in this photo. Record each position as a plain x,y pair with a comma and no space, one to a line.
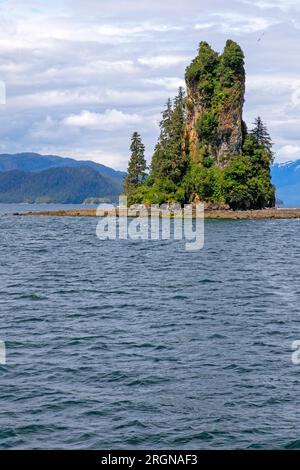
64,185
34,162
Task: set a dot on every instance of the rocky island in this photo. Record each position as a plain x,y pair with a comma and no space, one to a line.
205,151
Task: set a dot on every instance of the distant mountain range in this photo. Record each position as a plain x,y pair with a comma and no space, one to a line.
35,162
286,177
30,177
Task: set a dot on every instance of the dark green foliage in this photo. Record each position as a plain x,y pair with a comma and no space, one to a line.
202,72
205,183
208,162
230,77
207,126
262,136
160,192
214,75
137,165
168,161
247,180
244,130
231,64
203,66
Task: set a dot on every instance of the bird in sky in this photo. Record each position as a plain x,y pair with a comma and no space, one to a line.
260,38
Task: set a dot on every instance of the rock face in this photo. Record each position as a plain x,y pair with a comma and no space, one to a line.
214,104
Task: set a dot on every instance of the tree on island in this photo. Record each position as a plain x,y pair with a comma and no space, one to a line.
137,166
262,136
167,161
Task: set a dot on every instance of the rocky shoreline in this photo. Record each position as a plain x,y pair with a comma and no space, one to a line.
209,214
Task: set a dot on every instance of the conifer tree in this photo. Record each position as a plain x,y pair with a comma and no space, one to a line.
168,162
262,136
158,159
137,166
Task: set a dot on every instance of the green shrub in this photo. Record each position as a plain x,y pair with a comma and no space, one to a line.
207,126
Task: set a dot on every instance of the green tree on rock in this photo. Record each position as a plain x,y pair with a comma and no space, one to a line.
262,136
137,166
168,162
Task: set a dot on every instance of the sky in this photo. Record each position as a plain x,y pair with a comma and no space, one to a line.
82,75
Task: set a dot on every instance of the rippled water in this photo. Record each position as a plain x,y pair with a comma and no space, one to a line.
144,345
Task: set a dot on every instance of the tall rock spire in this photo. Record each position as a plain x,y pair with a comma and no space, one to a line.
214,104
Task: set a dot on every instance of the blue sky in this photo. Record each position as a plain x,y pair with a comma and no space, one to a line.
82,75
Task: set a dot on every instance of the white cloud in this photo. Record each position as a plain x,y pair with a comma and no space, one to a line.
169,83
283,5
296,96
36,30
276,86
133,97
288,153
272,82
238,23
84,96
201,26
111,119
160,61
49,98
134,29
112,159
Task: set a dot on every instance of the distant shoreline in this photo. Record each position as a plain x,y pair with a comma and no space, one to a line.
209,214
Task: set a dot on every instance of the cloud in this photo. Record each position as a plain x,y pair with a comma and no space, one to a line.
161,61
134,29
237,23
203,26
84,96
112,159
288,153
111,119
272,82
283,5
296,95
169,83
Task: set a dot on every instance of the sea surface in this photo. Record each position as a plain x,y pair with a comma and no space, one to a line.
141,344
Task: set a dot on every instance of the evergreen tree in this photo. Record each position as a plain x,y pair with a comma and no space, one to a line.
137,166
168,162
262,136
158,159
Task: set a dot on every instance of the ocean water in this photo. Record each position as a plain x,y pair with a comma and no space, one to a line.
135,344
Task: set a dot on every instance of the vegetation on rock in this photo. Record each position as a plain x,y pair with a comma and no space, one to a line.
262,136
204,151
